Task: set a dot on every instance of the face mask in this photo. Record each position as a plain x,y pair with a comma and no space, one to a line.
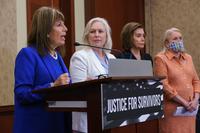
177,46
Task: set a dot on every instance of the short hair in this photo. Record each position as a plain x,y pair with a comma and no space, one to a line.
168,32
42,23
127,34
108,43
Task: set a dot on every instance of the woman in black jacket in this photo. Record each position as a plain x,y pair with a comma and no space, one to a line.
133,42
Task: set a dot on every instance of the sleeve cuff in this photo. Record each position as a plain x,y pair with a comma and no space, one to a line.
51,84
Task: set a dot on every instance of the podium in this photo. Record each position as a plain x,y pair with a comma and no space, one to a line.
113,105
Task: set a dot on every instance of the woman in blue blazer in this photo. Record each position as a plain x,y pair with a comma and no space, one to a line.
39,66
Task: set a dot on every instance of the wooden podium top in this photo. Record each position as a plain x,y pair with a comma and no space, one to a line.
77,85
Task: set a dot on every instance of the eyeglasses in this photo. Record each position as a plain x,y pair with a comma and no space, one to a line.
102,76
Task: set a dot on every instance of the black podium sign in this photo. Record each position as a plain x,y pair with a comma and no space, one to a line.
130,101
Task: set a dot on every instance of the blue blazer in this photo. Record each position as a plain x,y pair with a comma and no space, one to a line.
33,72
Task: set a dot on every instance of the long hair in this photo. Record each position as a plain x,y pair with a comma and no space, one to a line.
108,43
127,34
42,23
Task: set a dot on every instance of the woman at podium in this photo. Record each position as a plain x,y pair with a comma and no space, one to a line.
181,85
90,62
40,66
133,42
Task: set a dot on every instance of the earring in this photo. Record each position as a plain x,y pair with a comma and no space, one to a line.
48,35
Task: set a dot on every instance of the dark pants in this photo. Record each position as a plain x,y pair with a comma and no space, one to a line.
68,121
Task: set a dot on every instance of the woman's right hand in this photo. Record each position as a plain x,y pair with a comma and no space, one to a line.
194,103
183,102
63,79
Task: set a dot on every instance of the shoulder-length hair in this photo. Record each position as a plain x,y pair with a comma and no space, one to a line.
108,43
166,36
42,23
127,34
168,33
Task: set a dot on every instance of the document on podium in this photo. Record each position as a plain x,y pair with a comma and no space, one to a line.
181,111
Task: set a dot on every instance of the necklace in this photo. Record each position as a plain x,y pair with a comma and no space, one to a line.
53,53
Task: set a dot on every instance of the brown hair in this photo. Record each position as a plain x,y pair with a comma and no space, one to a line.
127,34
42,23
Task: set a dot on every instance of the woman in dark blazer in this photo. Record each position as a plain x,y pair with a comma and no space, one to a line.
133,42
39,66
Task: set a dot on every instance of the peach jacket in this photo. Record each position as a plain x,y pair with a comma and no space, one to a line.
181,76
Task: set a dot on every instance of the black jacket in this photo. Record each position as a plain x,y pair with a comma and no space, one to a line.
128,55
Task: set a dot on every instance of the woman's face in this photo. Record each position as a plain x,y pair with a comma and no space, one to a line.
174,37
97,34
57,34
138,38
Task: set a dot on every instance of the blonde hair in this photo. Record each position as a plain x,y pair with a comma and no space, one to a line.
168,32
108,43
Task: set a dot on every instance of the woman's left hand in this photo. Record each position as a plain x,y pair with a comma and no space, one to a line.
193,105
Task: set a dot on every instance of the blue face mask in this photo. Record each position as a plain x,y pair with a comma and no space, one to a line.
177,46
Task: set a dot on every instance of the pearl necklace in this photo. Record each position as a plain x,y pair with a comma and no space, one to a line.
53,53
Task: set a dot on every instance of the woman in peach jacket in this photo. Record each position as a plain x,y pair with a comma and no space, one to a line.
181,85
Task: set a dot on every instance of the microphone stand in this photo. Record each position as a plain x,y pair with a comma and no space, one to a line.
80,44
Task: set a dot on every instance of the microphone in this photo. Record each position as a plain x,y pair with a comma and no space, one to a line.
81,44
